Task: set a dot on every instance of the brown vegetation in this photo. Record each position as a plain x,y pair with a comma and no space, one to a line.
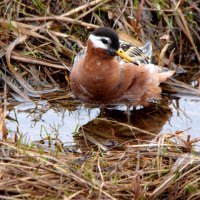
38,41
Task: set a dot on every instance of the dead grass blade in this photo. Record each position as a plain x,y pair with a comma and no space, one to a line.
29,59
179,166
14,87
182,22
18,77
180,87
83,7
3,129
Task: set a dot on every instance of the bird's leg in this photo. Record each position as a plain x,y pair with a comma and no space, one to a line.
102,110
128,113
134,107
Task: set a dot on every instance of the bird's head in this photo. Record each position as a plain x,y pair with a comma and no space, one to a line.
105,39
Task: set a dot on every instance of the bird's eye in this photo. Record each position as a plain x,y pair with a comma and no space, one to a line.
104,41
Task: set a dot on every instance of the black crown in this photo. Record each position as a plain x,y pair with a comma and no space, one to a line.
110,33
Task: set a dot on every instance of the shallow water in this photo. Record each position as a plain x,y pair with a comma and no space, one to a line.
37,121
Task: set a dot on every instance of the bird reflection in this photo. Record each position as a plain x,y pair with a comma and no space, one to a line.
111,128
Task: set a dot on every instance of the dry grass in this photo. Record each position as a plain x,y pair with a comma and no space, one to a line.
168,167
38,41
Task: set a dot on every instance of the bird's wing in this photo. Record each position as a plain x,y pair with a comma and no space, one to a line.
138,54
79,56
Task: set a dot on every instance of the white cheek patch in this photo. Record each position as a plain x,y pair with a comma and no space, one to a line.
97,43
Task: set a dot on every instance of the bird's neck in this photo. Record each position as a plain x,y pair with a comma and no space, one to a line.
98,53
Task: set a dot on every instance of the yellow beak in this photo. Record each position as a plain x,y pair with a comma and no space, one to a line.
124,55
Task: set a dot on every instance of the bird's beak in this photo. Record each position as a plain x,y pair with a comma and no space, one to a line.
124,55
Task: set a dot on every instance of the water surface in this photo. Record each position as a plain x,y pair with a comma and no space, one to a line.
37,121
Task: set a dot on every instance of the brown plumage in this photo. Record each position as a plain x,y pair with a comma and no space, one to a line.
97,77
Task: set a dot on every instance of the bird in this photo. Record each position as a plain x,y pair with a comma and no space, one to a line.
104,74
